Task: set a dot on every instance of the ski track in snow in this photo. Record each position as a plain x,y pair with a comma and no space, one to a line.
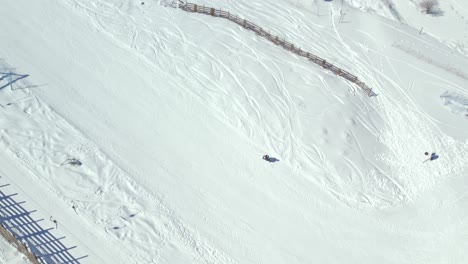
274,115
284,135
43,140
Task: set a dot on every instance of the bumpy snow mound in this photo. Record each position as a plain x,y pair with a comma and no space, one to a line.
408,135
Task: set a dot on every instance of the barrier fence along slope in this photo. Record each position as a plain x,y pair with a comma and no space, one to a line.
189,7
21,247
19,228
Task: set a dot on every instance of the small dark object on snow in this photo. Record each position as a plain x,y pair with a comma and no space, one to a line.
54,221
269,159
142,3
432,157
72,161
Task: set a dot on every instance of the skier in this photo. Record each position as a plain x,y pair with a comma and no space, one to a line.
266,157
432,157
54,221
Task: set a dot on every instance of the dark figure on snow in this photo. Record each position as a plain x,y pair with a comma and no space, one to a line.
266,157
432,157
54,221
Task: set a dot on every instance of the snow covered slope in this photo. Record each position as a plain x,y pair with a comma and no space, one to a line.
170,113
448,23
9,254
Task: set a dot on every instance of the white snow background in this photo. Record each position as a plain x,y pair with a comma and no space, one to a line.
170,113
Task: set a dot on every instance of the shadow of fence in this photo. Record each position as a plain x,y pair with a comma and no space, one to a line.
37,243
10,79
189,7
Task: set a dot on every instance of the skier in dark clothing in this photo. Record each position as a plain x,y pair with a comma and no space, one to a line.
432,157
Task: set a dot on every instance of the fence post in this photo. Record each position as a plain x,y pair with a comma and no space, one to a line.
195,8
244,24
212,11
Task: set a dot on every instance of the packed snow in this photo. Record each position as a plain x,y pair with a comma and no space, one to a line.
140,128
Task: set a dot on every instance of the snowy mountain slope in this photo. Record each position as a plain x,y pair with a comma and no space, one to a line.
170,113
363,68
449,23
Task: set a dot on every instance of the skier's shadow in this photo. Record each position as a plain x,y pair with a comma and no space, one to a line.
272,159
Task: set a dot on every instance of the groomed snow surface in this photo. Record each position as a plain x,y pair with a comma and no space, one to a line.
170,112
